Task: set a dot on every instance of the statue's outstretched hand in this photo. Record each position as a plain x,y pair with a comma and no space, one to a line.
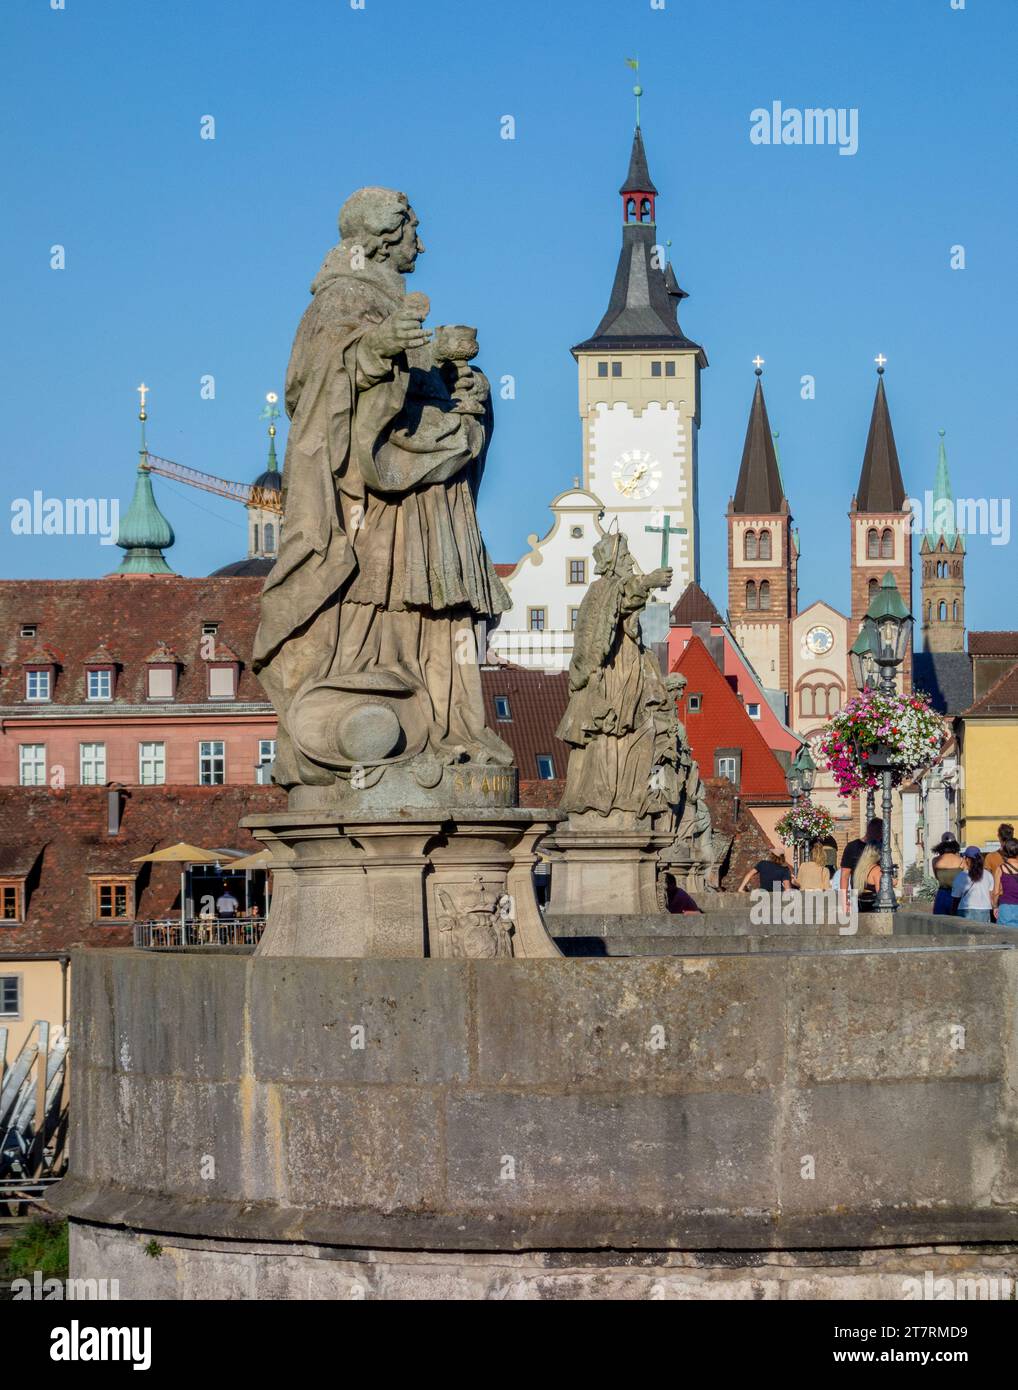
395,334
660,578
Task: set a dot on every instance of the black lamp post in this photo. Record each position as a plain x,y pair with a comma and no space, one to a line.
864,673
799,779
887,628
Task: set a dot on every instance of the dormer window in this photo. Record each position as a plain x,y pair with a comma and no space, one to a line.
29,630
162,681
222,682
99,681
209,629
38,683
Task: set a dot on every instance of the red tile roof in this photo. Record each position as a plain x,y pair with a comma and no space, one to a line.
722,722
993,644
56,839
1000,701
537,702
130,615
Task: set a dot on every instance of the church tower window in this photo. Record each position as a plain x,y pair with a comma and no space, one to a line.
887,544
765,594
751,595
872,544
765,545
749,546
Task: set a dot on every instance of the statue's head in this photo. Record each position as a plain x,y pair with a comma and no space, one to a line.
676,683
383,223
611,555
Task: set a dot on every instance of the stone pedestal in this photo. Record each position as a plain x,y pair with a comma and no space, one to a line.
355,877
605,871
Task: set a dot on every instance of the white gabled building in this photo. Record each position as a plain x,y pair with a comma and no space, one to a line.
548,585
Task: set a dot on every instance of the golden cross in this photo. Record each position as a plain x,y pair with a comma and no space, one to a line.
758,362
881,362
143,391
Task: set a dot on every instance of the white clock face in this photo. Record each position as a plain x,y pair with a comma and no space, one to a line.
820,640
636,474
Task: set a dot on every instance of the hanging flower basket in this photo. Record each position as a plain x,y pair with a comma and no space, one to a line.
805,823
877,731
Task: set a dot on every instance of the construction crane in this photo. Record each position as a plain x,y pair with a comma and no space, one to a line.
269,499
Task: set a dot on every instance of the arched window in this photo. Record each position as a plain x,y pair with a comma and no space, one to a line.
942,612
765,593
749,548
254,534
887,544
956,610
872,590
833,699
872,544
751,596
630,209
806,700
820,699
270,537
765,545
644,209
929,612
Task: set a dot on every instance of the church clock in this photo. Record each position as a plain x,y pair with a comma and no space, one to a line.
636,474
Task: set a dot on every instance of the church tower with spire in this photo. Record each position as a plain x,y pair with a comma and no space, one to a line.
763,554
639,389
880,520
942,551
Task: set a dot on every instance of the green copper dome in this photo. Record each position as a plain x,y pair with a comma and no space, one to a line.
144,532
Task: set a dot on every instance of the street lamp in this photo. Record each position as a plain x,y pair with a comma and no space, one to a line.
799,779
864,673
887,628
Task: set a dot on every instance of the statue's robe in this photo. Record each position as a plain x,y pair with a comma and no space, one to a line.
381,562
616,721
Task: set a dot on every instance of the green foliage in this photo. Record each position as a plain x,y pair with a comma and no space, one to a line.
41,1246
153,1249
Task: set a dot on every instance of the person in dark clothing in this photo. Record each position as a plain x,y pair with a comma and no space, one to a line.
769,873
677,899
853,853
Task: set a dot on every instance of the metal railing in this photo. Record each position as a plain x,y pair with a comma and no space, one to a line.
199,931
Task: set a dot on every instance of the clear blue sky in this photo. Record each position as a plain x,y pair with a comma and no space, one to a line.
187,257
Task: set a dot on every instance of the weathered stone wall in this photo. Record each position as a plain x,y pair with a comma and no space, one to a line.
781,1100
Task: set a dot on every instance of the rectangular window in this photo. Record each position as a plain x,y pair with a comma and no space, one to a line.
151,764
545,767
616,369
10,902
577,571
93,764
536,619
574,613
100,685
693,703
10,996
160,683
32,764
655,369
669,369
502,710
209,629
212,763
602,370
266,757
728,767
222,682
114,899
29,630
753,711
37,685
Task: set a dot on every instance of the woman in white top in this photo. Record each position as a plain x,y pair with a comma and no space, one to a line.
973,887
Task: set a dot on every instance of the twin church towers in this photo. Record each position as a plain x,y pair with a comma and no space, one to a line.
639,400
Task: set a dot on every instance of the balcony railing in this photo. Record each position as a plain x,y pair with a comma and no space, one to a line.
201,931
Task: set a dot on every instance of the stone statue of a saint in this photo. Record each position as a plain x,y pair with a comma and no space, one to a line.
367,644
620,720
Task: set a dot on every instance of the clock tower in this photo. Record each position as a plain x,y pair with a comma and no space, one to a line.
639,378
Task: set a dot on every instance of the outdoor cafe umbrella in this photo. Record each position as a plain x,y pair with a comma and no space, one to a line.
182,854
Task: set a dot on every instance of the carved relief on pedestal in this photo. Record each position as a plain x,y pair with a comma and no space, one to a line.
475,921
